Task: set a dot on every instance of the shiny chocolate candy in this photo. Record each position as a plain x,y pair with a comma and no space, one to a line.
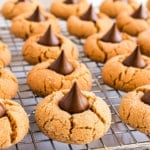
146,98
19,1
71,1
2,111
74,101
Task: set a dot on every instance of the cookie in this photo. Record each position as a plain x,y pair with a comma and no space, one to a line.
46,46
67,8
14,123
101,48
37,22
88,23
49,76
13,8
127,72
5,55
134,23
9,84
113,8
144,42
148,4
73,116
134,109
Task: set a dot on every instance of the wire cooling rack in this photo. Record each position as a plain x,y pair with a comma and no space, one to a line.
119,136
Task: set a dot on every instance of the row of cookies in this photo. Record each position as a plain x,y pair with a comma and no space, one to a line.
82,118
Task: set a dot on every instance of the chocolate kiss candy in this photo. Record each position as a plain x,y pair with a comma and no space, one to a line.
135,59
2,110
89,15
140,13
71,1
113,35
62,65
146,97
36,16
121,0
23,1
49,39
74,101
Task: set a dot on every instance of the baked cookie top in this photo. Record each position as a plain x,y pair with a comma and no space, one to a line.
51,75
113,8
14,123
134,23
66,8
134,109
102,47
13,8
127,72
88,120
37,22
46,46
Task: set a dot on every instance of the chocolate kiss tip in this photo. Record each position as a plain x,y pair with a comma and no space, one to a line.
62,65
146,98
113,35
74,101
135,59
49,39
2,110
71,1
89,15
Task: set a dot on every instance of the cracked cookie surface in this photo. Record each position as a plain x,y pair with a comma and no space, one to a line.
100,51
35,53
62,10
14,124
134,111
44,81
83,29
124,78
79,128
23,28
8,84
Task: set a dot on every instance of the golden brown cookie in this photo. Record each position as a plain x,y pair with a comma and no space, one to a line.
113,8
66,8
14,123
148,4
144,41
9,84
86,25
13,8
127,72
101,48
37,22
73,127
34,51
5,55
46,77
134,23
135,111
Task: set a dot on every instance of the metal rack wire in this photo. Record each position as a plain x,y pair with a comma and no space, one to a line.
119,136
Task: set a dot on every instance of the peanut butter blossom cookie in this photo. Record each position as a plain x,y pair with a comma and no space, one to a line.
100,48
60,74
65,8
39,48
13,8
127,72
148,4
37,22
134,23
73,116
5,55
114,7
14,123
88,23
134,109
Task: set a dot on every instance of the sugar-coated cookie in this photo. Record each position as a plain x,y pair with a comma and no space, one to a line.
101,48
127,72
73,116
134,109
53,75
14,123
37,22
148,4
66,8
